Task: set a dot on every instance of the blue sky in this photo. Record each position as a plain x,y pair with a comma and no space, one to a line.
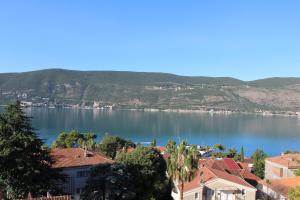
243,39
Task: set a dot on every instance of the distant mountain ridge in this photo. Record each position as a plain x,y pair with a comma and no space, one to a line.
145,90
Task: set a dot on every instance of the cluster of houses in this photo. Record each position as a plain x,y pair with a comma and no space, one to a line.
216,179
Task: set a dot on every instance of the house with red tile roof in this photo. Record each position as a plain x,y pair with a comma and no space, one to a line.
278,188
76,163
282,166
219,179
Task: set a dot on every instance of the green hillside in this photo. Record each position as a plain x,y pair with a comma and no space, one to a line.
141,90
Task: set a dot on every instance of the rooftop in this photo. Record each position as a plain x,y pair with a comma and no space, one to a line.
75,157
282,186
226,169
287,160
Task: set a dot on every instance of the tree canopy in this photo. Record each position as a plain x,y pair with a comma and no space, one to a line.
259,157
74,139
294,193
109,182
148,169
25,165
110,145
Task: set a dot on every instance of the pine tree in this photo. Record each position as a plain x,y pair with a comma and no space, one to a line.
259,157
25,165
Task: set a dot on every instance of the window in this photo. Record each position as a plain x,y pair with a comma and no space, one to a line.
226,196
210,194
83,173
78,190
281,172
197,195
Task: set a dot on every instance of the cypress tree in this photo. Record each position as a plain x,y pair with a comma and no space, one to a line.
242,155
25,164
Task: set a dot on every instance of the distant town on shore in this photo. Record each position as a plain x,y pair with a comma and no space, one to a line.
58,88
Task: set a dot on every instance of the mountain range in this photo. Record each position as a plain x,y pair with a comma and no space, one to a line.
144,90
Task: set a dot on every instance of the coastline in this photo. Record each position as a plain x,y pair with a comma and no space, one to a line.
290,114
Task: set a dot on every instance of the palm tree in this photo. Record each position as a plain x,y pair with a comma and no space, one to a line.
219,147
182,163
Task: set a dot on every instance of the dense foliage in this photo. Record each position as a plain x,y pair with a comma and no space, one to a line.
111,145
25,165
297,171
294,193
152,90
182,163
220,151
259,157
75,139
110,182
148,169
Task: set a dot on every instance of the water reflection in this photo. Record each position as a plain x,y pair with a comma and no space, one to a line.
273,134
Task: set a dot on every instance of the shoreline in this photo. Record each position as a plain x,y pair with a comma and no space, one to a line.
288,114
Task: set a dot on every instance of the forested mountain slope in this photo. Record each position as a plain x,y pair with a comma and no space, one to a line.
149,90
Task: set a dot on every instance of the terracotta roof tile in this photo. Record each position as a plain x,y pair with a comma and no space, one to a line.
288,160
229,170
75,157
203,175
231,164
161,148
231,178
282,186
206,174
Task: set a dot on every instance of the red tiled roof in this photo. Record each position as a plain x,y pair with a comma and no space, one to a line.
230,177
161,148
206,174
226,169
249,176
231,164
244,165
288,160
248,160
203,175
282,186
75,157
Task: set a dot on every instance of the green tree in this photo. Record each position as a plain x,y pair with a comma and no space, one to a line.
297,172
219,147
74,139
241,156
110,145
231,153
290,151
153,143
259,157
219,151
294,193
87,140
109,182
182,163
25,165
148,169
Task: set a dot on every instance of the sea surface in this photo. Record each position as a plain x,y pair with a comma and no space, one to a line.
273,134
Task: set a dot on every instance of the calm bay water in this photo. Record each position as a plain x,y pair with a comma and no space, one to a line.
272,134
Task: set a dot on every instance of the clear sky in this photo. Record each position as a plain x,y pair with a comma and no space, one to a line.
243,39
